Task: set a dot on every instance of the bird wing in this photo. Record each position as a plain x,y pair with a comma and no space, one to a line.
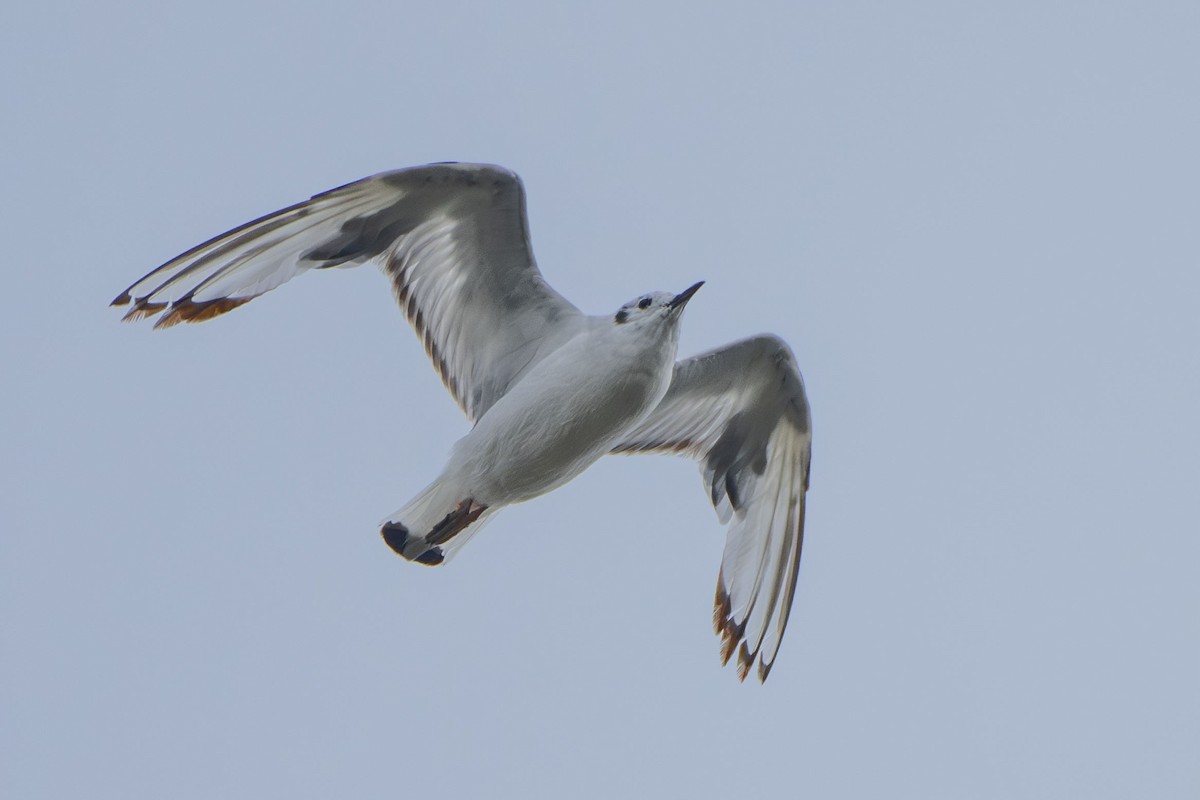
742,413
453,239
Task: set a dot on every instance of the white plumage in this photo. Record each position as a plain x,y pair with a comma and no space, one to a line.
549,389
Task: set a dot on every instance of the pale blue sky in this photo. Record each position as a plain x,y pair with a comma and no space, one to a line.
976,224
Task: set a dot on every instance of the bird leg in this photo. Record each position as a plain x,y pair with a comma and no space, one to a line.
455,522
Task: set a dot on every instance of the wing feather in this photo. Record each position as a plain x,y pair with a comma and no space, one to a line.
453,239
741,411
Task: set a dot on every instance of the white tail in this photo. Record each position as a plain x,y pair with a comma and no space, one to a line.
435,524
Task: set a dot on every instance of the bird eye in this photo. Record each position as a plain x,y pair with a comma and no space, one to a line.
644,302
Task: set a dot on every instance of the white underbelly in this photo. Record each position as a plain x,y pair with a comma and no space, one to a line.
545,432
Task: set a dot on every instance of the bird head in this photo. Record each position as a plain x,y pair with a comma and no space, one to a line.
655,307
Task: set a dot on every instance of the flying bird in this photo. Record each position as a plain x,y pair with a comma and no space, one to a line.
549,389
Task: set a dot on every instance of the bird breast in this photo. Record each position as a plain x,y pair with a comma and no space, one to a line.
567,412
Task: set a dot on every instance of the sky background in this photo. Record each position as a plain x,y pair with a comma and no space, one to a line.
976,224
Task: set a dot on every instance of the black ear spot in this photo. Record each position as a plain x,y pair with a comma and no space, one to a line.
622,315
644,302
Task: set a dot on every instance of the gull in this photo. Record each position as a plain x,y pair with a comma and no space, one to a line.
549,389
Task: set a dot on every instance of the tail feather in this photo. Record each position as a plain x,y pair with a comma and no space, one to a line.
434,524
